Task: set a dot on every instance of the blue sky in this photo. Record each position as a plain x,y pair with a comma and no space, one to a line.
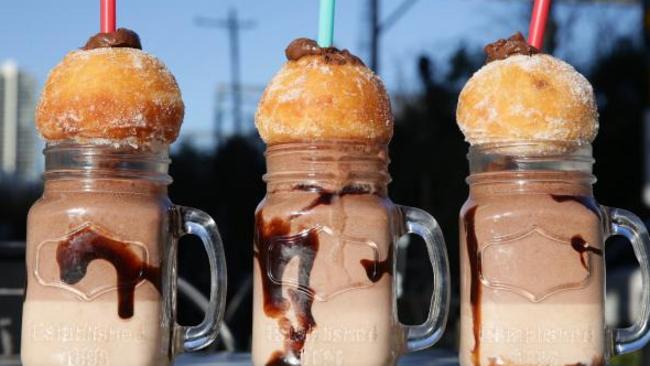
37,33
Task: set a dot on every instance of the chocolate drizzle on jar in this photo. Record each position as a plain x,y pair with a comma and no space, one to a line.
582,247
475,284
304,246
376,270
76,252
504,48
275,247
578,243
588,202
326,197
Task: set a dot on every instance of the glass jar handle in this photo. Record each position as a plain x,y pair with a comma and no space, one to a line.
199,223
425,335
627,224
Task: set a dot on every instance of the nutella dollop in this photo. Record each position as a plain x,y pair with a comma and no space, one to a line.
121,38
302,47
504,48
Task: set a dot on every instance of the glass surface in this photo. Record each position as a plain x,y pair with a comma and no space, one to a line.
326,233
532,259
101,263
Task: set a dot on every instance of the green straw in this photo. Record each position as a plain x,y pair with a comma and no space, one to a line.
326,28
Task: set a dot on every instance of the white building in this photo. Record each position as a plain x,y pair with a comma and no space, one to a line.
19,145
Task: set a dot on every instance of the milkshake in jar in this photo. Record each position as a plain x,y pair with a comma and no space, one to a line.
102,240
326,232
532,233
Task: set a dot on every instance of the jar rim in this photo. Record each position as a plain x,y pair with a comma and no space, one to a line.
533,155
332,162
72,160
350,145
536,148
507,177
158,154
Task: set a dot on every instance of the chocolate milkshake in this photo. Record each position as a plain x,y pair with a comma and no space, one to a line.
532,269
102,240
532,234
324,261
324,284
94,258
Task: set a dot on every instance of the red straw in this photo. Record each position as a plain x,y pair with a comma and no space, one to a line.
538,23
107,15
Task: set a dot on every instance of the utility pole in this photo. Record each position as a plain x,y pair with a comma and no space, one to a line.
233,26
378,27
646,117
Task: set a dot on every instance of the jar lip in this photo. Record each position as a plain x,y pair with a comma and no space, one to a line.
331,162
72,160
529,156
158,154
508,177
536,148
353,145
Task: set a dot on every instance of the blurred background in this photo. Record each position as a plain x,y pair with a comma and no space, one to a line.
224,52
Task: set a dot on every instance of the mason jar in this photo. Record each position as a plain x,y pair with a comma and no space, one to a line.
101,262
324,268
532,259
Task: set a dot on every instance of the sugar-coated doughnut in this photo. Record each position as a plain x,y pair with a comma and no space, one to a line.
108,94
324,94
528,97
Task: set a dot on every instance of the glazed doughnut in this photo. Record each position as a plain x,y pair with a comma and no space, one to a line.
113,94
324,94
526,98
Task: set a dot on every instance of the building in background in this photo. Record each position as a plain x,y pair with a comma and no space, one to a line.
19,145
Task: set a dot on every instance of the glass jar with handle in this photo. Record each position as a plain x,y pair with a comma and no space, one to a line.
101,262
532,259
324,270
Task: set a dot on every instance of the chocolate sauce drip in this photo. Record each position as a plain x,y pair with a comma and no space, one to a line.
122,38
278,359
475,284
308,188
303,47
582,247
303,246
376,270
350,189
76,252
353,189
504,48
588,202
326,197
